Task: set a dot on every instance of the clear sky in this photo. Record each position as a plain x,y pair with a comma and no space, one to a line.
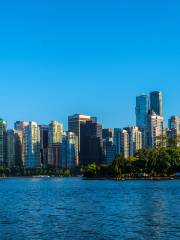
90,56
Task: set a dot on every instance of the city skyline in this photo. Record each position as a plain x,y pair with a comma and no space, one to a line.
10,125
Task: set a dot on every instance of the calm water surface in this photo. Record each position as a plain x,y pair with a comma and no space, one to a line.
76,209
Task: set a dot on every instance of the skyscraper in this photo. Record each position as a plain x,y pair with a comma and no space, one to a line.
55,132
44,134
74,123
20,127
69,156
3,145
109,149
142,108
32,146
11,152
117,140
156,102
91,143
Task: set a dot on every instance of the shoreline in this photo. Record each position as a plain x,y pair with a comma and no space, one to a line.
95,178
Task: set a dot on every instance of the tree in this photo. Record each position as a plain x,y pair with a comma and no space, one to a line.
118,166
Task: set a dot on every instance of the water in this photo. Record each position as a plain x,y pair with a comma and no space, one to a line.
89,210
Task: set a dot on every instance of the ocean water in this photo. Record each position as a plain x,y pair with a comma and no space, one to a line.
89,210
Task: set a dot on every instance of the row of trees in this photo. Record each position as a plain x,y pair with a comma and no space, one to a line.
152,162
22,172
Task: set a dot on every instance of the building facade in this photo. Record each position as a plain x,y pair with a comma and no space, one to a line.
135,140
91,143
155,131
32,146
3,143
156,102
55,133
69,151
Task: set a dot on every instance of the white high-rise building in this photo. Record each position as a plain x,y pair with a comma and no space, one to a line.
155,130
32,146
135,140
124,143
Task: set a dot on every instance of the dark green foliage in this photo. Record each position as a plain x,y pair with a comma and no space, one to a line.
153,162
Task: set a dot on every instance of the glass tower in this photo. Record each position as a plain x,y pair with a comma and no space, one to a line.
156,102
142,108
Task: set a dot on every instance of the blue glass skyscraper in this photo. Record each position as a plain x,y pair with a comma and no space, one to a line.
142,108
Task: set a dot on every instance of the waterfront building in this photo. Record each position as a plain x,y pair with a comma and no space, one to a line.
156,102
117,140
54,155
44,138
32,146
3,145
11,152
91,143
109,149
156,130
124,143
55,132
74,125
69,151
135,140
20,126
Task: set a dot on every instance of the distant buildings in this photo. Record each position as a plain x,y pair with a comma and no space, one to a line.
149,118
31,145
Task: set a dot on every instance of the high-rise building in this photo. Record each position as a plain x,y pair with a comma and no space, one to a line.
44,135
156,102
69,151
173,133
155,130
109,149
54,155
20,127
74,124
55,132
91,143
117,140
142,108
135,140
32,146
11,151
174,124
124,143
3,145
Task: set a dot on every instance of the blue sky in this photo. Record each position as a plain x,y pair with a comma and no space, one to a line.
62,57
